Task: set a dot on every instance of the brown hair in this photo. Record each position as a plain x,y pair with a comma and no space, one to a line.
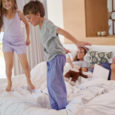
76,58
34,7
1,19
3,11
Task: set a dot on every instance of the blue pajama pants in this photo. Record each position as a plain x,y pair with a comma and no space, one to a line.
55,82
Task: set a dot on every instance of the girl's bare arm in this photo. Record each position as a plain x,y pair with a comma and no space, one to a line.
22,17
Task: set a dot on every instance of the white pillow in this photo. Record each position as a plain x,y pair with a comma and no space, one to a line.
38,74
72,54
100,72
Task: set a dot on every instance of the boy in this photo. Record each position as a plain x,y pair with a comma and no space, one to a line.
54,52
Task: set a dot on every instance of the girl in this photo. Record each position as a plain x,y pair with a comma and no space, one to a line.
79,60
13,39
78,63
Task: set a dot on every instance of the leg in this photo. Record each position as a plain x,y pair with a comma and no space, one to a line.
9,64
25,66
55,83
113,71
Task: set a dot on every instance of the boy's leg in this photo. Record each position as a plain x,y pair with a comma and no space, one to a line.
25,66
55,82
8,56
113,71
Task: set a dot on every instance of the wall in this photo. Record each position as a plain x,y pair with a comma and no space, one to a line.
74,22
74,18
55,13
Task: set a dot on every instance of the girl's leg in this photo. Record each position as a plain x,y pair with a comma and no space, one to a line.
9,64
25,66
113,71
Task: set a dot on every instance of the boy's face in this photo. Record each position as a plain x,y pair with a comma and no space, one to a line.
33,19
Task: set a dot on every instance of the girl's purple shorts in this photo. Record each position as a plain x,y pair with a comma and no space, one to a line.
19,47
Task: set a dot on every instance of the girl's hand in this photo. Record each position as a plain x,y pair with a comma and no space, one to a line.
83,44
69,61
27,41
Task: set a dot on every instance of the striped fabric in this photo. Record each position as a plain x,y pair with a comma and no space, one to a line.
35,50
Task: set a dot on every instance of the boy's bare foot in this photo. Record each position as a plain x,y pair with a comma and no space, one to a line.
31,85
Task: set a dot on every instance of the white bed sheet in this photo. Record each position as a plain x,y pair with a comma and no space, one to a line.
92,97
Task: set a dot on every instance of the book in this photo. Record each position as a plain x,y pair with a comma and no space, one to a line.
100,72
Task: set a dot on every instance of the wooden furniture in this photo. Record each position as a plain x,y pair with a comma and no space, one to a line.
76,21
96,15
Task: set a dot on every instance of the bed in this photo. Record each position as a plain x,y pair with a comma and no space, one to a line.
89,97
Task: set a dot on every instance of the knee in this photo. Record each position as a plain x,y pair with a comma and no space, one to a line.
113,67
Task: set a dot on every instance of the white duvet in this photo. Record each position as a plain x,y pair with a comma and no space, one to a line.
92,97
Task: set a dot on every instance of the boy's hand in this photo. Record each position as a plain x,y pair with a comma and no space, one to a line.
66,51
27,41
83,44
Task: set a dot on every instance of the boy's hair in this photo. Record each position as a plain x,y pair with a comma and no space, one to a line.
33,7
3,11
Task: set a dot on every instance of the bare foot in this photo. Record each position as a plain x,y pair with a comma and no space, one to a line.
31,85
9,87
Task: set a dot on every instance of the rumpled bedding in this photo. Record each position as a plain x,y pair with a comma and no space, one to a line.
88,97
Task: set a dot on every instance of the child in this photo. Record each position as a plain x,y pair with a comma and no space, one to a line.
54,52
79,61
13,39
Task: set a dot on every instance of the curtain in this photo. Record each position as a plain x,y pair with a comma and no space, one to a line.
35,50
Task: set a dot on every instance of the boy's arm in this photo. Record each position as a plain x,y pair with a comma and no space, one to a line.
71,38
22,17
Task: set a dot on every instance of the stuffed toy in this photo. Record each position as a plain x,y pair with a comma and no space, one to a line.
74,75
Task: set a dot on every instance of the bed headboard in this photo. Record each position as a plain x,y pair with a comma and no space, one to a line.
102,48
